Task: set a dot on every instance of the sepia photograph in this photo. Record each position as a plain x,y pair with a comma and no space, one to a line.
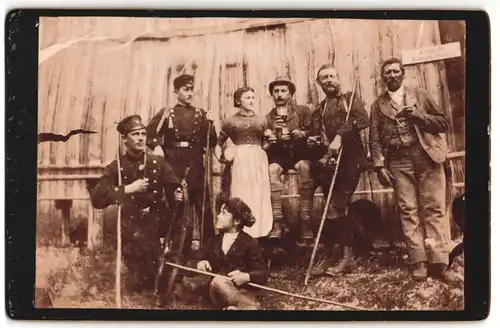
246,163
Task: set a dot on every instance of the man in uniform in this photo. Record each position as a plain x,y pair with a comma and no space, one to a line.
145,181
329,126
180,135
408,149
289,124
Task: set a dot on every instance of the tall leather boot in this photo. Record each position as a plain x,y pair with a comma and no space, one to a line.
276,233
345,265
306,204
277,230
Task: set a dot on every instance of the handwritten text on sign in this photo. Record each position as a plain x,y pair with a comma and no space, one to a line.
421,55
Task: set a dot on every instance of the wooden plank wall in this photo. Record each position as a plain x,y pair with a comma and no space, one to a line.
92,84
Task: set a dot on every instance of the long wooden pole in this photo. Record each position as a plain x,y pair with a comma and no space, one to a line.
118,296
206,182
269,289
329,197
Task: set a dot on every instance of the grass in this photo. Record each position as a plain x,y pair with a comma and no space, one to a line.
86,279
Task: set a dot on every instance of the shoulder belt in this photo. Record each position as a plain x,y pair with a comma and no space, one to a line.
162,120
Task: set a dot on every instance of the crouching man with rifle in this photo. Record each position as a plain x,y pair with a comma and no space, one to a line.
138,183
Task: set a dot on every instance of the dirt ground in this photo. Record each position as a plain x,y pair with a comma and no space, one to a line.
85,279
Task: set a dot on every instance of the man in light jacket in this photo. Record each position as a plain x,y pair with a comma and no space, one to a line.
408,147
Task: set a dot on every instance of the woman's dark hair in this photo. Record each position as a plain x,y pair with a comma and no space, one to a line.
238,208
391,61
238,93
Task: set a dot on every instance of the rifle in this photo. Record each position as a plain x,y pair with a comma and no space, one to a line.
166,249
186,222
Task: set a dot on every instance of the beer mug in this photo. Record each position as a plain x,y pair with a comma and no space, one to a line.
285,133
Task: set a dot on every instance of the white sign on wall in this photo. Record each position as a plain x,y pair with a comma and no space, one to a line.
427,54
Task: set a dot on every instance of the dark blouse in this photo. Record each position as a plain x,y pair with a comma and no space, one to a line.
243,129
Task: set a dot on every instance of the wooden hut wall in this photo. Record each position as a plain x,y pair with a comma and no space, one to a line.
106,75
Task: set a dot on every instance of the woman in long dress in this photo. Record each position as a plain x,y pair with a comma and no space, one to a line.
249,169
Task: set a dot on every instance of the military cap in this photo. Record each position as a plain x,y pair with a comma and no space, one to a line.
282,80
182,80
129,124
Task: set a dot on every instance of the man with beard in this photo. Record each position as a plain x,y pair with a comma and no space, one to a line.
408,150
329,126
182,139
146,179
288,149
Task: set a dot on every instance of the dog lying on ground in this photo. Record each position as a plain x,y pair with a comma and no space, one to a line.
367,225
365,222
458,213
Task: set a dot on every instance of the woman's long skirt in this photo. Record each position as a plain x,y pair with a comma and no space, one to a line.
250,182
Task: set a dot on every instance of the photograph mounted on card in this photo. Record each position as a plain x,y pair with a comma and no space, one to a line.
224,162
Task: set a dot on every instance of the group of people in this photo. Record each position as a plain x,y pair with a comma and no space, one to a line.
407,152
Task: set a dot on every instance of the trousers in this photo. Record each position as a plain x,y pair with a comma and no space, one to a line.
223,293
420,191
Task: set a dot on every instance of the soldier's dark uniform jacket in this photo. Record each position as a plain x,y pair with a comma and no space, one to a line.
329,117
144,215
183,138
298,117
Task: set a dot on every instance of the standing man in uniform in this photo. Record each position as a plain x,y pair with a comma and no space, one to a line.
182,140
288,149
330,128
408,150
146,180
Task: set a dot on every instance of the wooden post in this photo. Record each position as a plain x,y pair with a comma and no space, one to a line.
95,218
65,206
95,230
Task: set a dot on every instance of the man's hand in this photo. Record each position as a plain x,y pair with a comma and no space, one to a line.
272,138
312,141
178,195
239,278
298,134
411,113
158,151
210,115
384,176
139,185
204,266
334,147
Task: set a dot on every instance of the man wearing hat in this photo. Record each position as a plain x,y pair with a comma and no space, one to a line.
329,125
288,123
180,135
145,182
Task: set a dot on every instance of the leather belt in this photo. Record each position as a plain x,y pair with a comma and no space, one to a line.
180,144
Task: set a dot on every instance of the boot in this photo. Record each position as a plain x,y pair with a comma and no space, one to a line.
345,265
306,204
320,268
277,230
419,271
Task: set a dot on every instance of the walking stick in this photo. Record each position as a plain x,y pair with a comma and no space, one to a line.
330,191
208,154
118,297
269,289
